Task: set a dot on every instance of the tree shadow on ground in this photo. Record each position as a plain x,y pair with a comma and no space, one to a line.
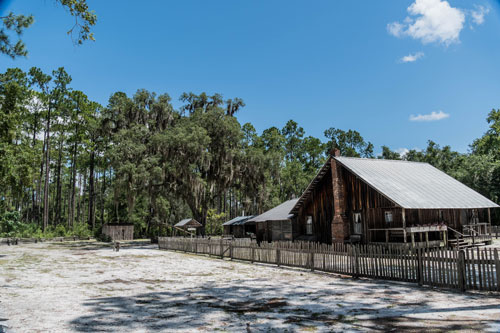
265,308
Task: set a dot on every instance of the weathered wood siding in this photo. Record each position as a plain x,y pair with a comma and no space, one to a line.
274,230
118,232
320,207
360,197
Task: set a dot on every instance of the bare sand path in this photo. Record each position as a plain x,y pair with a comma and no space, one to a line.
86,287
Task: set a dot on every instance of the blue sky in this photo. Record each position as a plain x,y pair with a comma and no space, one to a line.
322,63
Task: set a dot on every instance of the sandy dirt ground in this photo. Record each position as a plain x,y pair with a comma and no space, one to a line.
87,287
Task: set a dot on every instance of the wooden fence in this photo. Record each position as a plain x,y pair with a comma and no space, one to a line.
495,231
477,269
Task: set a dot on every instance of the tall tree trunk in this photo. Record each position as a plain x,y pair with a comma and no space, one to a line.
91,219
47,176
81,189
103,193
71,210
58,184
34,191
39,183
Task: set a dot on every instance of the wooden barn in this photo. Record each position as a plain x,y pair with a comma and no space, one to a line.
239,227
276,223
375,200
189,226
118,232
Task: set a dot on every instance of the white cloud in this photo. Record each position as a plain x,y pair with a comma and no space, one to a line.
433,116
402,151
395,29
478,14
435,21
412,57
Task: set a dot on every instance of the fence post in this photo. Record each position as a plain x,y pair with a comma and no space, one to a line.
221,248
196,246
420,269
311,259
356,262
253,253
278,257
461,270
231,249
497,264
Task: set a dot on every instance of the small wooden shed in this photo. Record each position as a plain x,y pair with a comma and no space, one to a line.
118,231
276,223
189,225
239,227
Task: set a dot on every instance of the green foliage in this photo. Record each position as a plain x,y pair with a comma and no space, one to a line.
350,143
388,154
214,222
10,223
80,230
69,165
15,24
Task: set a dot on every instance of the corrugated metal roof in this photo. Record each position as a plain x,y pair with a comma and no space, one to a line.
415,185
239,220
278,213
184,222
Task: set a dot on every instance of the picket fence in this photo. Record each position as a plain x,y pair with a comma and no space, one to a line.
477,269
495,231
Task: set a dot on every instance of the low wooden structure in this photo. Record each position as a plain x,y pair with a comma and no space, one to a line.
239,227
276,223
391,202
118,232
189,226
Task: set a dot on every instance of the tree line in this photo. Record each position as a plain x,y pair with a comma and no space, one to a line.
69,163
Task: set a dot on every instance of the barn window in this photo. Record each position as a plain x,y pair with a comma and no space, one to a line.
388,216
441,216
357,217
357,223
309,225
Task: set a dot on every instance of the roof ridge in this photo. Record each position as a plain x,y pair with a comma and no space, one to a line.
379,159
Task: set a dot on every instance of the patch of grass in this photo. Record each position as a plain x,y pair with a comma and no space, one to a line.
29,259
140,256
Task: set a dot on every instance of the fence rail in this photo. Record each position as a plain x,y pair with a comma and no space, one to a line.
495,231
477,269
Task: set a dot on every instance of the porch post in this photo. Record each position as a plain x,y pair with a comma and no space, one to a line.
489,221
403,217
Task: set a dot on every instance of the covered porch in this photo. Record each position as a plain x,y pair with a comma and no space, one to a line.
416,236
